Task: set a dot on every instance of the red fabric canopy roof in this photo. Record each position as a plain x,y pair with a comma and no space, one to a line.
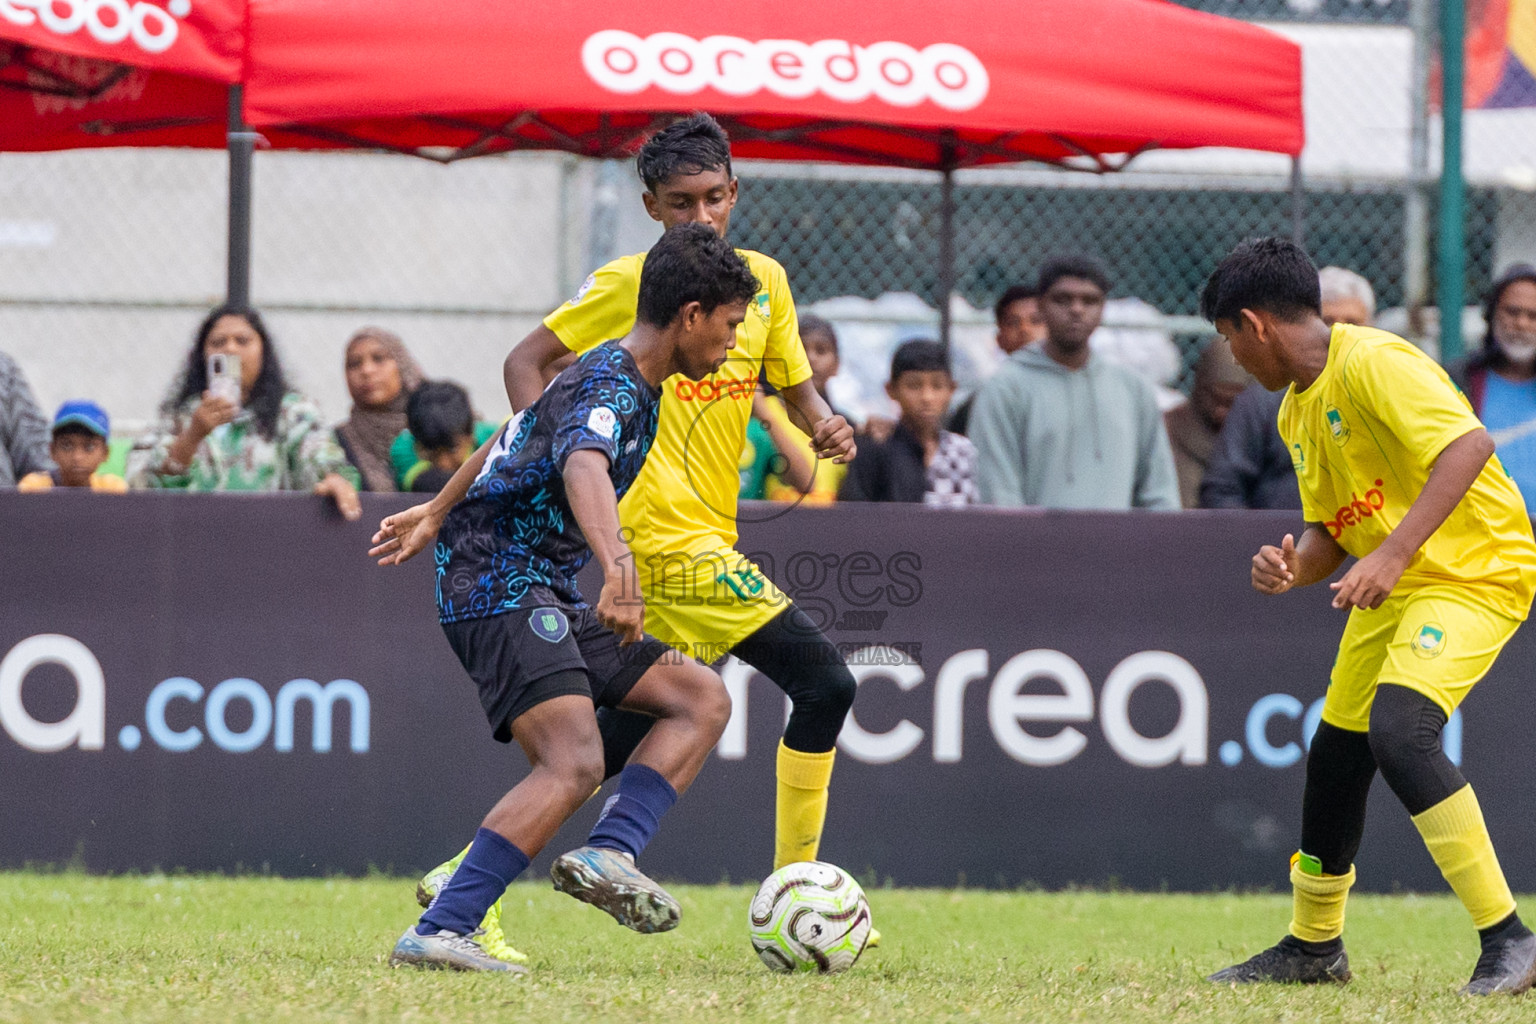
925,83
76,73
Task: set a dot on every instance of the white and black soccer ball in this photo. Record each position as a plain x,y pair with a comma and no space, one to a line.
809,916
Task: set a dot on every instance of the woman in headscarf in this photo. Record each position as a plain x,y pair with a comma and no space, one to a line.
380,376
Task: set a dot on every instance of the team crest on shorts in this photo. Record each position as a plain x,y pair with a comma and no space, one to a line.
549,624
1430,640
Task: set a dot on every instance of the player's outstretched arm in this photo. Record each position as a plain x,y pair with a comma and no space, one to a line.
831,436
406,533
596,506
1370,580
1278,569
525,368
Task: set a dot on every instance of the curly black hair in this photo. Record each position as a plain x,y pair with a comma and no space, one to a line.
1271,274
690,146
691,264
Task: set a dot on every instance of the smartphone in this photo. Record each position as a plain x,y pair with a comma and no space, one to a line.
224,377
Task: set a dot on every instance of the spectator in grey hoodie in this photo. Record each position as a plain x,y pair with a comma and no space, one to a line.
1059,427
24,433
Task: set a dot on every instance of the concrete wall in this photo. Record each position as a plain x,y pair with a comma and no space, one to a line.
108,260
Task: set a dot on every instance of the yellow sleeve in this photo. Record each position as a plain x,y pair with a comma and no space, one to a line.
784,360
1408,392
1312,511
34,482
602,309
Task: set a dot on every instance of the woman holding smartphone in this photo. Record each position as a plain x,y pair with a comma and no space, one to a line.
231,423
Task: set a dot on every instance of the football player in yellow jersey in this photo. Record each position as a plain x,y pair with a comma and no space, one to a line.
1395,470
701,595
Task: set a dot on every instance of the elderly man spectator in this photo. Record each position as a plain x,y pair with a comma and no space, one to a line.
1500,380
1251,467
1019,323
1193,426
1348,298
1060,427
23,430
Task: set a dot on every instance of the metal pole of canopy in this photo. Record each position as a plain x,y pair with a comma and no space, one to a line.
242,144
1451,257
1298,204
1415,196
946,239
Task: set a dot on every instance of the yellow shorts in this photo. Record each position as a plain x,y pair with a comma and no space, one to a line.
706,603
1437,641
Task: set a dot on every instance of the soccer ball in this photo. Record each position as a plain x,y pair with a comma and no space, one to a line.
809,916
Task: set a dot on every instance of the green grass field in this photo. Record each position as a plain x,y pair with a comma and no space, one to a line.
156,948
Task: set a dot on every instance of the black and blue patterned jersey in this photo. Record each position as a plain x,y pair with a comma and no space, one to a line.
513,541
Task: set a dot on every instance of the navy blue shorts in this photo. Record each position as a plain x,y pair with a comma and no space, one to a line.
522,658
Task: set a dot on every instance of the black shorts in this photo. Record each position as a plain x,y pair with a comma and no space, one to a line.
522,658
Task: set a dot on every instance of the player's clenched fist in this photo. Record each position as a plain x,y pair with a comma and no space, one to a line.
833,440
621,609
1275,568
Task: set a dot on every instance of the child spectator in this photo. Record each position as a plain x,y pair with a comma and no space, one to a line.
442,428
777,461
408,458
920,462
821,352
80,432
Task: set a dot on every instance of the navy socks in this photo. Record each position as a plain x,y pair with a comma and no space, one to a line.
489,867
633,814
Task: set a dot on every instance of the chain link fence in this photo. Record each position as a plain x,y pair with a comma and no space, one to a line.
1372,155
108,258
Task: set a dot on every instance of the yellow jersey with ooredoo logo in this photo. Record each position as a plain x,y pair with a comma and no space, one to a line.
684,501
1364,437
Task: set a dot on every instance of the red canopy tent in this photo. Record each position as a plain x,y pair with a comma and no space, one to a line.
938,84
78,73
918,83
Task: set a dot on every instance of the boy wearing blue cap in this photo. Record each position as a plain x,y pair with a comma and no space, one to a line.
80,432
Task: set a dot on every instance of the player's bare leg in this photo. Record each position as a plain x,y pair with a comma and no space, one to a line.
691,709
561,742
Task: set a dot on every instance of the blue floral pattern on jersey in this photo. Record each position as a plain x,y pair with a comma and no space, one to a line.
513,541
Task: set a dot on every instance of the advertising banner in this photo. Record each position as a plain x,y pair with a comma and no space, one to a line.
229,683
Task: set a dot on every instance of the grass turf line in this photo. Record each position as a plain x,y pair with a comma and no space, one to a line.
155,948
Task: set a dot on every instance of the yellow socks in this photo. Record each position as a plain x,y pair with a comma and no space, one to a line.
802,804
1453,830
1317,903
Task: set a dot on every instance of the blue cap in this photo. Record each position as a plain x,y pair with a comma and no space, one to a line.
83,414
